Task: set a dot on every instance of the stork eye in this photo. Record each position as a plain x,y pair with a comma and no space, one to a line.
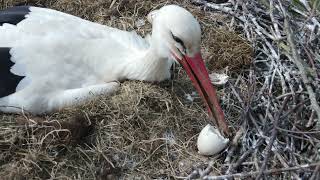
178,40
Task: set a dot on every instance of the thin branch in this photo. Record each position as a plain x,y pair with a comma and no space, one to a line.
244,156
297,60
221,8
273,138
254,173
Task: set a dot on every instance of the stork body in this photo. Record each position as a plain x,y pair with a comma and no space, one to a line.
50,60
59,60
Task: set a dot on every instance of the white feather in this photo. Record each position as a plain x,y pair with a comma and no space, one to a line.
57,52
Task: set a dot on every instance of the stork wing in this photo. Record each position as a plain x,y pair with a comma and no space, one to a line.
41,21
22,29
18,22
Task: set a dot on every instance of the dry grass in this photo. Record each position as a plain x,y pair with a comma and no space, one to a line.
226,50
145,130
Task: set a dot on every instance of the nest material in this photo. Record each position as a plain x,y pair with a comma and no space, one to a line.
145,130
227,49
149,130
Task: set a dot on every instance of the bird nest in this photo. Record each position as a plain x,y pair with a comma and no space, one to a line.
143,130
149,130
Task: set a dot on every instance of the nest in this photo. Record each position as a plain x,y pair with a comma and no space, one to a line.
227,50
149,130
144,130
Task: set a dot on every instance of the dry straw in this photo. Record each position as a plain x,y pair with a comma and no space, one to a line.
149,130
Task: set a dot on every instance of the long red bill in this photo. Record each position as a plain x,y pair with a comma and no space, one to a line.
198,74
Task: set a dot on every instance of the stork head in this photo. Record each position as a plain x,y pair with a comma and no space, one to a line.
176,33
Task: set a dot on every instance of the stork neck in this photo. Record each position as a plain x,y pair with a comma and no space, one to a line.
150,67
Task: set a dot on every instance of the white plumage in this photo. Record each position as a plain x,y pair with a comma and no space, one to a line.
65,59
50,60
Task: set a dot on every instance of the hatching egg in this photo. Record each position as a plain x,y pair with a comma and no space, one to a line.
210,141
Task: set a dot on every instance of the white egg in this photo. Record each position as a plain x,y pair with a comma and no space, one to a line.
210,141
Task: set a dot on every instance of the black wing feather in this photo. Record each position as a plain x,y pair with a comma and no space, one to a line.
8,81
14,15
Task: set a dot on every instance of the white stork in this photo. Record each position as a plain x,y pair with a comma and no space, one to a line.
50,60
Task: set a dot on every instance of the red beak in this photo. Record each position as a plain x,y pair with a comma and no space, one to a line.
198,74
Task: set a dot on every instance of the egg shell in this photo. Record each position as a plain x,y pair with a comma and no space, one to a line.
210,141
